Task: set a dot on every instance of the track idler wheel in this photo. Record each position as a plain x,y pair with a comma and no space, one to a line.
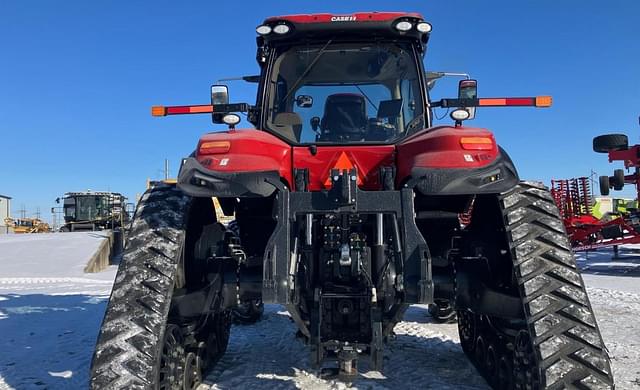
491,362
172,359
524,372
192,371
480,352
504,377
467,328
217,338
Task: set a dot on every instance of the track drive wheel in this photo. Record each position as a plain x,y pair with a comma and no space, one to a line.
557,344
140,344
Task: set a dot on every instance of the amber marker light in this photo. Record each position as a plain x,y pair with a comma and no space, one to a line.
158,111
476,143
214,147
543,101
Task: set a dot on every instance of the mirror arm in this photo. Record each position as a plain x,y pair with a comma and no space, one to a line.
233,107
447,103
248,79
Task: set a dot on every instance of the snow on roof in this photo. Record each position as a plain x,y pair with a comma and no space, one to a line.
92,193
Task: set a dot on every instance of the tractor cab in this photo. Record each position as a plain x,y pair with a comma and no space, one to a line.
328,79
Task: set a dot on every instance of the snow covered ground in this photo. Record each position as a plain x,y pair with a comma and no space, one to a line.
614,290
50,312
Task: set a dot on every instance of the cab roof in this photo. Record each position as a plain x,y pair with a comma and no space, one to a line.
360,25
355,17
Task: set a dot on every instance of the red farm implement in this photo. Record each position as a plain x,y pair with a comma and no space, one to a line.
617,147
574,200
587,232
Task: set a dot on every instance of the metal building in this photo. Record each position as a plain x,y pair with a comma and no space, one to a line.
5,212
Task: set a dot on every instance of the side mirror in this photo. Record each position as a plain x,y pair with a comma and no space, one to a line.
219,95
468,89
304,101
58,200
315,122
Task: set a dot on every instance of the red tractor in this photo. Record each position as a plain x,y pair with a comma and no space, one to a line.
350,205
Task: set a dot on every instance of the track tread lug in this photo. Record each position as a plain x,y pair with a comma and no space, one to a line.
566,345
134,319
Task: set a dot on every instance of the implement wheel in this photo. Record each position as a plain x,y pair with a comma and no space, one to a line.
609,142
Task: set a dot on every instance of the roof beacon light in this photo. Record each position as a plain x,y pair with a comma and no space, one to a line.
281,29
403,26
263,30
424,27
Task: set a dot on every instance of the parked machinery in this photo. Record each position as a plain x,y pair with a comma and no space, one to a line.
27,225
618,149
93,210
585,230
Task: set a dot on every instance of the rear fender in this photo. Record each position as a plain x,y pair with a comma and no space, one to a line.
247,163
436,163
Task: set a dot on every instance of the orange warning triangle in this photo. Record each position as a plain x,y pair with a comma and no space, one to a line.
341,164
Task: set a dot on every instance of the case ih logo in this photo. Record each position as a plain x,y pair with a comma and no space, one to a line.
343,18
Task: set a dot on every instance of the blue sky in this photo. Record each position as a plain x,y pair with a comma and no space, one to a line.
78,78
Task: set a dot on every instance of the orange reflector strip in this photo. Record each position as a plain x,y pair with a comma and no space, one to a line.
492,102
543,101
177,110
200,109
476,143
158,111
214,147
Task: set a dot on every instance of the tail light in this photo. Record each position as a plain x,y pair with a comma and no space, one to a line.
214,147
477,143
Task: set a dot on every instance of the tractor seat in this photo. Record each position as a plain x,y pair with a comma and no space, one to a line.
345,117
289,124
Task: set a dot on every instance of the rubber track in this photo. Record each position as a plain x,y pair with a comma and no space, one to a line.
568,347
128,350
